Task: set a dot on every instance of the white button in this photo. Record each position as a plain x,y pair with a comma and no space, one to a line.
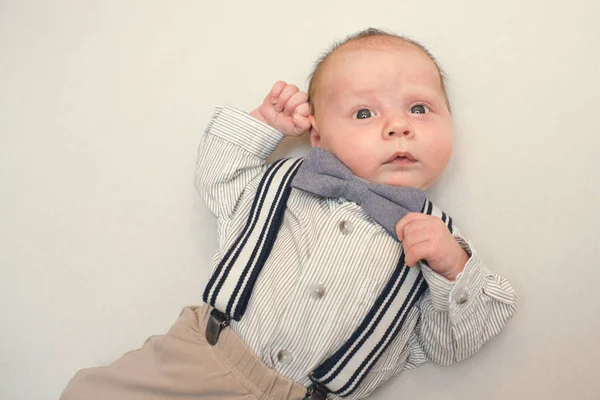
461,296
317,290
345,227
284,357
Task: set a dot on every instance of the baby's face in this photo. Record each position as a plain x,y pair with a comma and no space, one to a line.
381,110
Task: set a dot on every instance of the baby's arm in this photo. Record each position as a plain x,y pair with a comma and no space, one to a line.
465,305
458,317
236,144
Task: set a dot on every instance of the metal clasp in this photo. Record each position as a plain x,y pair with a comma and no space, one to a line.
216,323
316,390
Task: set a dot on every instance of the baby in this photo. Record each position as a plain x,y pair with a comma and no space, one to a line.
334,272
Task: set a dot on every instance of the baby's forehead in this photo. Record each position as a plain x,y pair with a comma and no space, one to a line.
374,47
378,64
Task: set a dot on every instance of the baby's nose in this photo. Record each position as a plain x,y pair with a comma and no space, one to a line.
399,128
404,132
398,125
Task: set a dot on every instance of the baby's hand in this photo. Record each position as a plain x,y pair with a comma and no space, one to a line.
425,237
286,109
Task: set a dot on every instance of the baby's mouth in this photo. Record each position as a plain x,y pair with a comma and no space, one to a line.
401,158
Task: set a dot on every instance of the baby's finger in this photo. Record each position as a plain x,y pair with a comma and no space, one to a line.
285,95
294,101
301,124
276,91
416,253
407,219
303,109
417,225
415,238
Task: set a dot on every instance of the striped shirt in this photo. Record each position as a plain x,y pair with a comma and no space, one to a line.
328,266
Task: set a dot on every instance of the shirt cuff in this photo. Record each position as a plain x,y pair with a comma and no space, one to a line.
243,130
456,297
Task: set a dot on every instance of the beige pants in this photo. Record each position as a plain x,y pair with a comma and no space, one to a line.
182,365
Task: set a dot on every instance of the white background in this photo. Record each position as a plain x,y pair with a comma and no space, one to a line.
103,239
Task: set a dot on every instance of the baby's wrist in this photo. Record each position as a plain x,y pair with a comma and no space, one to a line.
459,265
256,114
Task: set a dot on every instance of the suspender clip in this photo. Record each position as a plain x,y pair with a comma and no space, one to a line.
216,323
316,390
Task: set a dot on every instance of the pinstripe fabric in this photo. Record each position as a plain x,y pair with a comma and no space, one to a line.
353,264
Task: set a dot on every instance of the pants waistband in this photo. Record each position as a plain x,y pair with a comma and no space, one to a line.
260,380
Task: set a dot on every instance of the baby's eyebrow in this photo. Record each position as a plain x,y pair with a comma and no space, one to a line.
366,91
348,98
425,92
354,94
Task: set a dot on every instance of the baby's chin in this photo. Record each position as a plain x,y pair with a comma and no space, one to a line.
398,180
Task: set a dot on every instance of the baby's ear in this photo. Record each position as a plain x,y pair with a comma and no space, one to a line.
315,136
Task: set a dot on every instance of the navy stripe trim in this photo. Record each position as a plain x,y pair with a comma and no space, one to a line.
429,208
238,245
250,223
424,206
276,214
330,363
419,287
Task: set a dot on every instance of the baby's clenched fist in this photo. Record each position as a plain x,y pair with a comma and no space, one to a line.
426,237
286,109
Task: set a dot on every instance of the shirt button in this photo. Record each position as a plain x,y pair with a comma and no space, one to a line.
317,290
345,227
461,296
284,357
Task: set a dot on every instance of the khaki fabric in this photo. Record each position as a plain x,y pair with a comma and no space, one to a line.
182,365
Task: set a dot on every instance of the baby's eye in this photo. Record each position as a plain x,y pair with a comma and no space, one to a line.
419,109
363,113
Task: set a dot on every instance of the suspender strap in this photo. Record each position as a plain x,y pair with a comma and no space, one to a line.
343,372
230,286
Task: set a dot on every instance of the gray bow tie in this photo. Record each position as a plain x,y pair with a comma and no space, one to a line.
324,175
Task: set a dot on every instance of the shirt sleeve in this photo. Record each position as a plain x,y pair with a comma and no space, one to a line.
458,317
231,154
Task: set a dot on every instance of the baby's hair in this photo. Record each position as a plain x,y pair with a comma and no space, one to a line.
368,36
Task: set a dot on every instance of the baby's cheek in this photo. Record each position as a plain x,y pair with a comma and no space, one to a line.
441,151
355,159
